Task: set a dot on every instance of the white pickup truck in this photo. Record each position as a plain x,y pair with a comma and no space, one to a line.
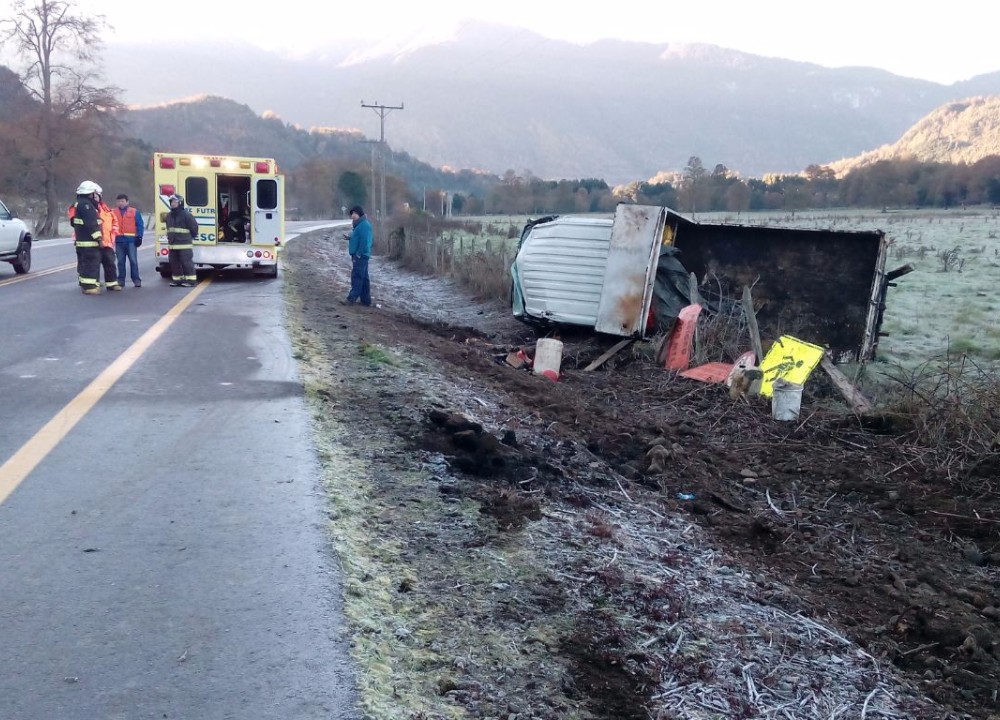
15,241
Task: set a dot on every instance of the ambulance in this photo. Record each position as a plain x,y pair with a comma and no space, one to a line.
239,203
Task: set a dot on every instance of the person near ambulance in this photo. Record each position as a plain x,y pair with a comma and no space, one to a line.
128,240
359,246
182,229
109,258
86,222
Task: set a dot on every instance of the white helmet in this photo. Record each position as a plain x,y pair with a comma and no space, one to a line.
88,187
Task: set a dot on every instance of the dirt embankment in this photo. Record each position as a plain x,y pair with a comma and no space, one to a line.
626,543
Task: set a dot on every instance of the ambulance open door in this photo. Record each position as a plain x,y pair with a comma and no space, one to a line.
267,198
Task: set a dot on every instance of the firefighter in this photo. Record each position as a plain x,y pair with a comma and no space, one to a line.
182,229
109,258
87,236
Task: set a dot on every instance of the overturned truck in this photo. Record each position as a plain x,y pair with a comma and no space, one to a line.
631,276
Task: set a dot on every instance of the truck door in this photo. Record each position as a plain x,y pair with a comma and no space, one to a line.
631,270
267,198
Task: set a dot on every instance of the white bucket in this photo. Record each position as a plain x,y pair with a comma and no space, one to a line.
548,358
786,400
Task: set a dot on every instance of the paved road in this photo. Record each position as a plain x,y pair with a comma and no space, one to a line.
163,548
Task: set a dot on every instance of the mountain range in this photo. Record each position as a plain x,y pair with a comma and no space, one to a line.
494,99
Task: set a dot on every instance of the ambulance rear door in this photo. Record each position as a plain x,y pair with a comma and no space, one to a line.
198,189
267,198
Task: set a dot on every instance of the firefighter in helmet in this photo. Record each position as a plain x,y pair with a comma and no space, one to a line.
86,222
182,229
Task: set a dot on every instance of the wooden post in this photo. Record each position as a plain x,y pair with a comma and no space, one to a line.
695,298
751,317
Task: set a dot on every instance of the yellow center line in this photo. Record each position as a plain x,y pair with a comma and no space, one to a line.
27,458
29,276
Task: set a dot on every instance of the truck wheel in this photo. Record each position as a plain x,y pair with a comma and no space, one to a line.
22,263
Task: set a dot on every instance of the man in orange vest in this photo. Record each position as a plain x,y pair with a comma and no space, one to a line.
109,230
130,232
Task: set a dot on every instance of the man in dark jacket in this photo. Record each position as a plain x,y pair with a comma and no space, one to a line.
360,247
86,223
182,229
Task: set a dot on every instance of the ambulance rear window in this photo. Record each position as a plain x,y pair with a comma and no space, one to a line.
196,191
267,194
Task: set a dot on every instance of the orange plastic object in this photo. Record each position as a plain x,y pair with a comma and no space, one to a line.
709,372
681,337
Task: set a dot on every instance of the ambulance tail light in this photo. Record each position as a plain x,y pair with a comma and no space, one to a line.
261,167
167,190
167,163
215,162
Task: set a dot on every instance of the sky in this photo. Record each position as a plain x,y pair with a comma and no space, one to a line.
942,46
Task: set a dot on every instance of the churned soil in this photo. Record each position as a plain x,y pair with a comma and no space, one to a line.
619,480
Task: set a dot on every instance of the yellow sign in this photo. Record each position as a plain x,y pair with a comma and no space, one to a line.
791,359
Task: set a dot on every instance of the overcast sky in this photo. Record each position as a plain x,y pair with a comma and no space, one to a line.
944,43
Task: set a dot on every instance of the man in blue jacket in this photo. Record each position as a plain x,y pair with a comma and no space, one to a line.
360,247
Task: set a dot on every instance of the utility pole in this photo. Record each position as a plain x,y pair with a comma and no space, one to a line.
373,143
381,111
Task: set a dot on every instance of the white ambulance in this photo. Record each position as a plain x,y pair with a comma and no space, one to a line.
239,204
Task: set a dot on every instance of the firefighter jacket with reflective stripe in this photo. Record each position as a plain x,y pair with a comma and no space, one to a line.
86,222
182,229
129,222
109,225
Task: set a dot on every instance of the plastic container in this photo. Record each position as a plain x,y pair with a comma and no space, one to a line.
786,400
548,358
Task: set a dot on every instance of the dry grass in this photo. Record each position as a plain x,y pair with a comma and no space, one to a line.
477,255
948,401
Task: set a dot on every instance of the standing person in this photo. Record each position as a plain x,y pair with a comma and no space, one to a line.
129,239
109,230
182,229
360,247
86,223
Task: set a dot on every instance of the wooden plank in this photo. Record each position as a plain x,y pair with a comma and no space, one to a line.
751,317
614,350
858,402
899,272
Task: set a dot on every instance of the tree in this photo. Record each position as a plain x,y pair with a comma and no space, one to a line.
61,49
352,188
694,183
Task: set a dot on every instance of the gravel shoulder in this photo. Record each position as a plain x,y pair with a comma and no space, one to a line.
624,543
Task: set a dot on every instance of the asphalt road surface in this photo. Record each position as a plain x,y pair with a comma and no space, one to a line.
163,546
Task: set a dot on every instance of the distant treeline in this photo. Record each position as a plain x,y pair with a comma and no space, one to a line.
884,184
907,183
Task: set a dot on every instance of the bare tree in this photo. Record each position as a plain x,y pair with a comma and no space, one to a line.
693,187
60,48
